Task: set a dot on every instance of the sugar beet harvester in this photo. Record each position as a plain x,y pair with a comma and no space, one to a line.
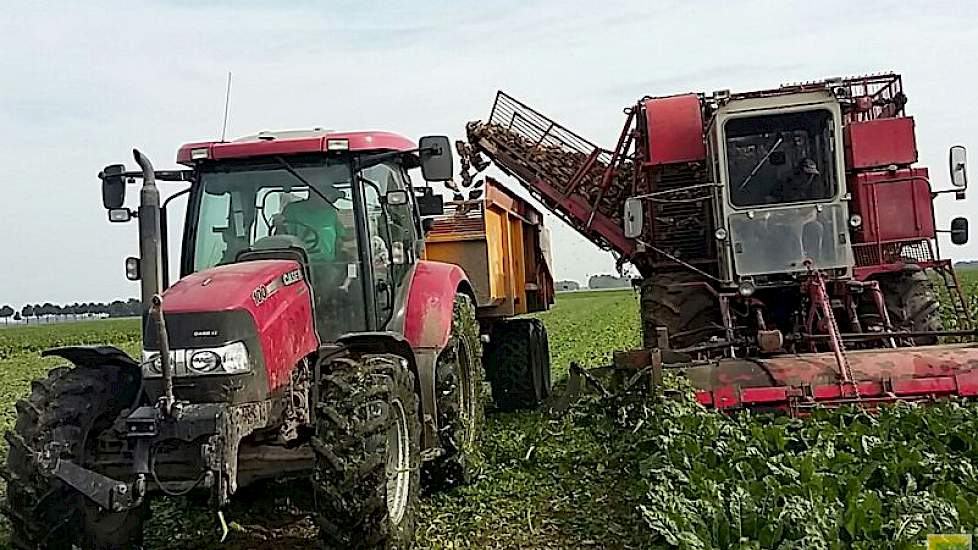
311,333
785,238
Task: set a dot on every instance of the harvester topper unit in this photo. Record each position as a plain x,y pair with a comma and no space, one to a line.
785,238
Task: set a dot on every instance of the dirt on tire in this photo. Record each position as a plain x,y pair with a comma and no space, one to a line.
689,311
355,416
912,304
71,406
460,401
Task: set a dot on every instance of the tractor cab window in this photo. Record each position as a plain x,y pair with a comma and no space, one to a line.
780,159
250,205
392,233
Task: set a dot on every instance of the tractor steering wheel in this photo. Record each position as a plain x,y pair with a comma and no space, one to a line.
306,233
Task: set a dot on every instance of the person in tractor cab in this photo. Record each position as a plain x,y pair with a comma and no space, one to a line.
315,221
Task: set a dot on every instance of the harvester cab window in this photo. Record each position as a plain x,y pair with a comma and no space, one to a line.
780,159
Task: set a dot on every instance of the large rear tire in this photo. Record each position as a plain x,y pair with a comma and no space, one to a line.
460,400
912,304
689,312
72,406
366,479
518,359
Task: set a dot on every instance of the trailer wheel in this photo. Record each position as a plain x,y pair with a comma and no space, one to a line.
689,312
460,400
912,304
518,360
73,406
367,456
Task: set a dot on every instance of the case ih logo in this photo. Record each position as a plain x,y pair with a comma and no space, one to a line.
292,277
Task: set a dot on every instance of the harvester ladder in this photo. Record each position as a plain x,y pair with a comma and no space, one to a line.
956,297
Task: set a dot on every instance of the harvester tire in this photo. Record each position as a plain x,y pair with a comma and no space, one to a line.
680,309
460,400
518,360
72,406
366,478
912,304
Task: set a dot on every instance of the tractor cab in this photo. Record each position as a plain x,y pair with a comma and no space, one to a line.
340,205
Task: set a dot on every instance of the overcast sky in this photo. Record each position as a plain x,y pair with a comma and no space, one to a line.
84,82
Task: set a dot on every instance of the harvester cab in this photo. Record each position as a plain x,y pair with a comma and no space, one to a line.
786,240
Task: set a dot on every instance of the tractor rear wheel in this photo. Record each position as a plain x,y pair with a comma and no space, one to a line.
518,360
690,312
912,304
74,407
367,456
458,384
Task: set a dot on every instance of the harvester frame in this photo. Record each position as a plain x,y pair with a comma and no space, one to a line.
661,200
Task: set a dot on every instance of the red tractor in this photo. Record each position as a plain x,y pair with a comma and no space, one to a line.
785,238
308,334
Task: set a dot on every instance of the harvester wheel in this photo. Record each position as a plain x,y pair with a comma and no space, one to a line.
367,455
687,311
72,406
518,360
458,383
912,304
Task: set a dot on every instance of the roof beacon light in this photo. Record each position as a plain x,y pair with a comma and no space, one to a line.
338,144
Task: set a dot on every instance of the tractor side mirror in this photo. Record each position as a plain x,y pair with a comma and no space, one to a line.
958,162
959,231
633,217
113,186
436,158
430,204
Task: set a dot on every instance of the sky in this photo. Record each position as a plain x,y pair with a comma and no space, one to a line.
82,83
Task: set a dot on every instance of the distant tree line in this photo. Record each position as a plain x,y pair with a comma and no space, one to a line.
47,312
609,281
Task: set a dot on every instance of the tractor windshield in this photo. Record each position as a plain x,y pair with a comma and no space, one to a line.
252,204
779,159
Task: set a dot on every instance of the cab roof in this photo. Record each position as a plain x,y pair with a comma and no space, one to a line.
292,142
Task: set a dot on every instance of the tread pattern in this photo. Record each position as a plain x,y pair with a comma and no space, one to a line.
353,419
519,360
458,430
912,304
678,308
70,405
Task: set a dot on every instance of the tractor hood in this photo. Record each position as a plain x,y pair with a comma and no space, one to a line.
253,286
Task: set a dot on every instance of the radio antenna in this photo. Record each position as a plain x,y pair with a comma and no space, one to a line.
227,107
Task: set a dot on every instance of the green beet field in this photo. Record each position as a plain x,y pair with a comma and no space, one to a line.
623,474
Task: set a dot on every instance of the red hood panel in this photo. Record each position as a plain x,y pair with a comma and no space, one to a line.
225,287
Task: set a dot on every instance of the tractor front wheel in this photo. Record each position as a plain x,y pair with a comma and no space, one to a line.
72,407
912,304
366,478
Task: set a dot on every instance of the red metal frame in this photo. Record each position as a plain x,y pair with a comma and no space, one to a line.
358,141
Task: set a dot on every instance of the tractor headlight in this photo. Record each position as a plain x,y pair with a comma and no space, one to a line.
229,359
204,362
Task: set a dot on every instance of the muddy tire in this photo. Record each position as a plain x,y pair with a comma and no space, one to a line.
518,358
460,401
366,478
912,304
72,406
680,309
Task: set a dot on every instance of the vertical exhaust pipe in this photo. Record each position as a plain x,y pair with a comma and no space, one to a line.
151,268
